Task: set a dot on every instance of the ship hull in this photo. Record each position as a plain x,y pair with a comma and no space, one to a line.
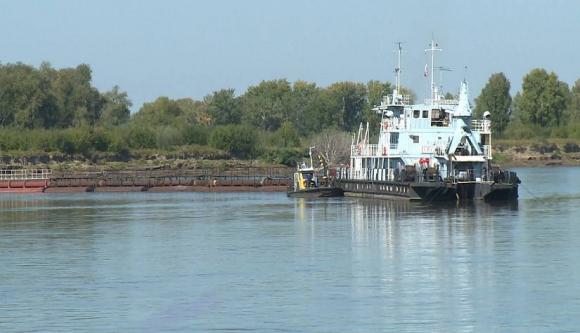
23,186
430,191
325,192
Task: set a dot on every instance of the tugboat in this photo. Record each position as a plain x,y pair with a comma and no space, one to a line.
433,151
309,182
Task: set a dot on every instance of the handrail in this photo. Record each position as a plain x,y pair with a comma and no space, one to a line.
25,174
481,125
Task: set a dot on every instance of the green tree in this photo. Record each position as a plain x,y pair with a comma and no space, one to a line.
543,99
116,110
193,112
320,113
79,103
162,111
287,135
25,97
495,98
223,107
304,103
349,101
266,105
376,90
574,106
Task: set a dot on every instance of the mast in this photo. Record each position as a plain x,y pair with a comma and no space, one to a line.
398,68
434,47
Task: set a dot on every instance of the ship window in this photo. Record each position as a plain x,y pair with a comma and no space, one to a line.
415,138
425,114
416,113
439,118
395,138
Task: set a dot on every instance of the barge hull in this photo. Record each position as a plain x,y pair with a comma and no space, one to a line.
429,191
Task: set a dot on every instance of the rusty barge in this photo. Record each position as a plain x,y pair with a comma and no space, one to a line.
193,180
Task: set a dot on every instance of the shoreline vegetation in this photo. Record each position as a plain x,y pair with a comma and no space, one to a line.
56,118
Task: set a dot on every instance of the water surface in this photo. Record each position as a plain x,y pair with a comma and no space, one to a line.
197,262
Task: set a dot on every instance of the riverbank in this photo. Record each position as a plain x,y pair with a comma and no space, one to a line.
507,153
535,153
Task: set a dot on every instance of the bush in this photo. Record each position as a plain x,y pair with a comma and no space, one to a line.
237,140
167,137
101,140
195,135
286,136
142,137
285,156
571,147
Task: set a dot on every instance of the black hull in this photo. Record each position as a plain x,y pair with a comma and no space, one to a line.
325,192
430,191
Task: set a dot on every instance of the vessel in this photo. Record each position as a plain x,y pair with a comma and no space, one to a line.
24,180
434,151
311,182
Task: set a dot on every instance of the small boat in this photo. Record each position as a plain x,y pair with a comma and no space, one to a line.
309,182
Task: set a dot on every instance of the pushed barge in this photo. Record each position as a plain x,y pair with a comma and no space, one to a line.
24,180
433,151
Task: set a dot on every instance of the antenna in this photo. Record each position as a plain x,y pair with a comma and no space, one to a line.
442,69
433,48
310,153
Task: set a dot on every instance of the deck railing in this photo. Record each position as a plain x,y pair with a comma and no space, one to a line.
487,151
25,174
399,99
479,125
374,150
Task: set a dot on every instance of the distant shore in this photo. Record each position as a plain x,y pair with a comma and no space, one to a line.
533,153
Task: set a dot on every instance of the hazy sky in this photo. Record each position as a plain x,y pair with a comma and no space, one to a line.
191,48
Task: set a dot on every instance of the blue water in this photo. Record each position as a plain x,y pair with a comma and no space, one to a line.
261,262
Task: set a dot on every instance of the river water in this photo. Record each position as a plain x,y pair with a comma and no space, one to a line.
239,262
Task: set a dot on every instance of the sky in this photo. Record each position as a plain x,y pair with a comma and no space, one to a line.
180,48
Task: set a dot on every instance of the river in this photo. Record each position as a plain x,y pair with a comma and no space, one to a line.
261,262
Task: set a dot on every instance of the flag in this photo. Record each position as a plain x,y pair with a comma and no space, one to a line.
426,71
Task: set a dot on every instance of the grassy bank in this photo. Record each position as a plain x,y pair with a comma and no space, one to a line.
537,152
506,152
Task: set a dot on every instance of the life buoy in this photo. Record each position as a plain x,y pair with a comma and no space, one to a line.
386,125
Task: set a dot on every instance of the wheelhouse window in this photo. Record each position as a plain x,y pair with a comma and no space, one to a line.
425,114
439,118
416,113
415,138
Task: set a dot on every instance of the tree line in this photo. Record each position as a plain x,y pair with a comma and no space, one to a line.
544,107
45,109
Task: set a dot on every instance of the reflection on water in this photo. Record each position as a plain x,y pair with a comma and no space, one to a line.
145,262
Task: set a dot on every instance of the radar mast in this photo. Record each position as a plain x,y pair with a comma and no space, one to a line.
398,68
433,48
